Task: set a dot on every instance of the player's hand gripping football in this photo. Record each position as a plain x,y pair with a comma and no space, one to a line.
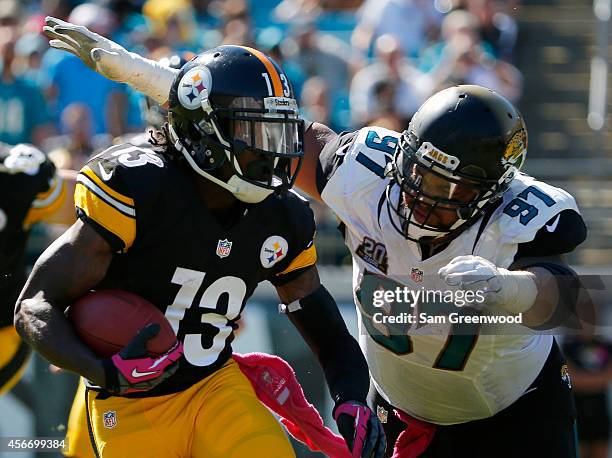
514,291
133,369
361,429
110,59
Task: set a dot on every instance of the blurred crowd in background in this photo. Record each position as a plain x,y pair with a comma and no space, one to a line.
352,63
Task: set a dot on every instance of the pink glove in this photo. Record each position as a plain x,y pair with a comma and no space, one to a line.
133,369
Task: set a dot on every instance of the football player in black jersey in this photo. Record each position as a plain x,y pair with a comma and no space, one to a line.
32,191
155,117
193,225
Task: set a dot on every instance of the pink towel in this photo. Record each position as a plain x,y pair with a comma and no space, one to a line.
277,388
417,436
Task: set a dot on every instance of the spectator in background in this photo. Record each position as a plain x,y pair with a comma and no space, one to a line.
172,22
384,95
496,28
403,91
269,41
294,10
465,61
23,110
70,81
74,148
29,50
462,58
320,54
56,8
317,105
411,21
203,14
589,358
237,28
455,23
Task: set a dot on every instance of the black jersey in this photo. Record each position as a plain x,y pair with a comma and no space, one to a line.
174,253
30,191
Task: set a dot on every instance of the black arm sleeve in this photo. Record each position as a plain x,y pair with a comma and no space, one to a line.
322,327
561,234
331,157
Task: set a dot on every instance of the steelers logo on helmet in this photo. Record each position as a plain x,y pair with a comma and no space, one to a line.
194,87
273,250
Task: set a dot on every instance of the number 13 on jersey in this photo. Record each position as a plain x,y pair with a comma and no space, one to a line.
190,282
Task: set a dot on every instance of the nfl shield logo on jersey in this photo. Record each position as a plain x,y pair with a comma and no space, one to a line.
382,414
416,275
565,376
223,248
110,419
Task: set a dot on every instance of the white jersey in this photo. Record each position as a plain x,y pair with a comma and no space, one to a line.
428,374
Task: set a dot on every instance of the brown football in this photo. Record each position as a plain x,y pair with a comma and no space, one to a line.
106,320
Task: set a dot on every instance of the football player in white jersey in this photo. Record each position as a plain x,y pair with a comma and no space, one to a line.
443,207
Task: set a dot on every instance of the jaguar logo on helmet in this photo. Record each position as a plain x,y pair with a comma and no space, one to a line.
516,150
194,87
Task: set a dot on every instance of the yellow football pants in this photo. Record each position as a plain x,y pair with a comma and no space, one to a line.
14,356
219,417
79,444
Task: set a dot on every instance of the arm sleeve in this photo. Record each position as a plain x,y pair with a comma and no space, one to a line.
561,234
344,365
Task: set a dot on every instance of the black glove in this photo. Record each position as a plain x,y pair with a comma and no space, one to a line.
361,429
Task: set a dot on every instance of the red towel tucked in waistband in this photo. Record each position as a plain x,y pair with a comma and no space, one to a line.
277,388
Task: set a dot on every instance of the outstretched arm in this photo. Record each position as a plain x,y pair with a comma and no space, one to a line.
110,59
152,79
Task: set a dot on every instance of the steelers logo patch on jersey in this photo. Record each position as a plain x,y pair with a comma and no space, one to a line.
194,87
273,250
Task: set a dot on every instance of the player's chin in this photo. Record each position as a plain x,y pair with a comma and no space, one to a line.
433,220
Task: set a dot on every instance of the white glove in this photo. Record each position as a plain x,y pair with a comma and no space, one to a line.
514,291
111,60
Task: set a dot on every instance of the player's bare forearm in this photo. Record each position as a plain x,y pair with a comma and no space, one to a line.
315,138
72,265
45,328
319,322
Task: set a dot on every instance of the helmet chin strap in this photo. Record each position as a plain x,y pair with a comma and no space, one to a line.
247,192
241,189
